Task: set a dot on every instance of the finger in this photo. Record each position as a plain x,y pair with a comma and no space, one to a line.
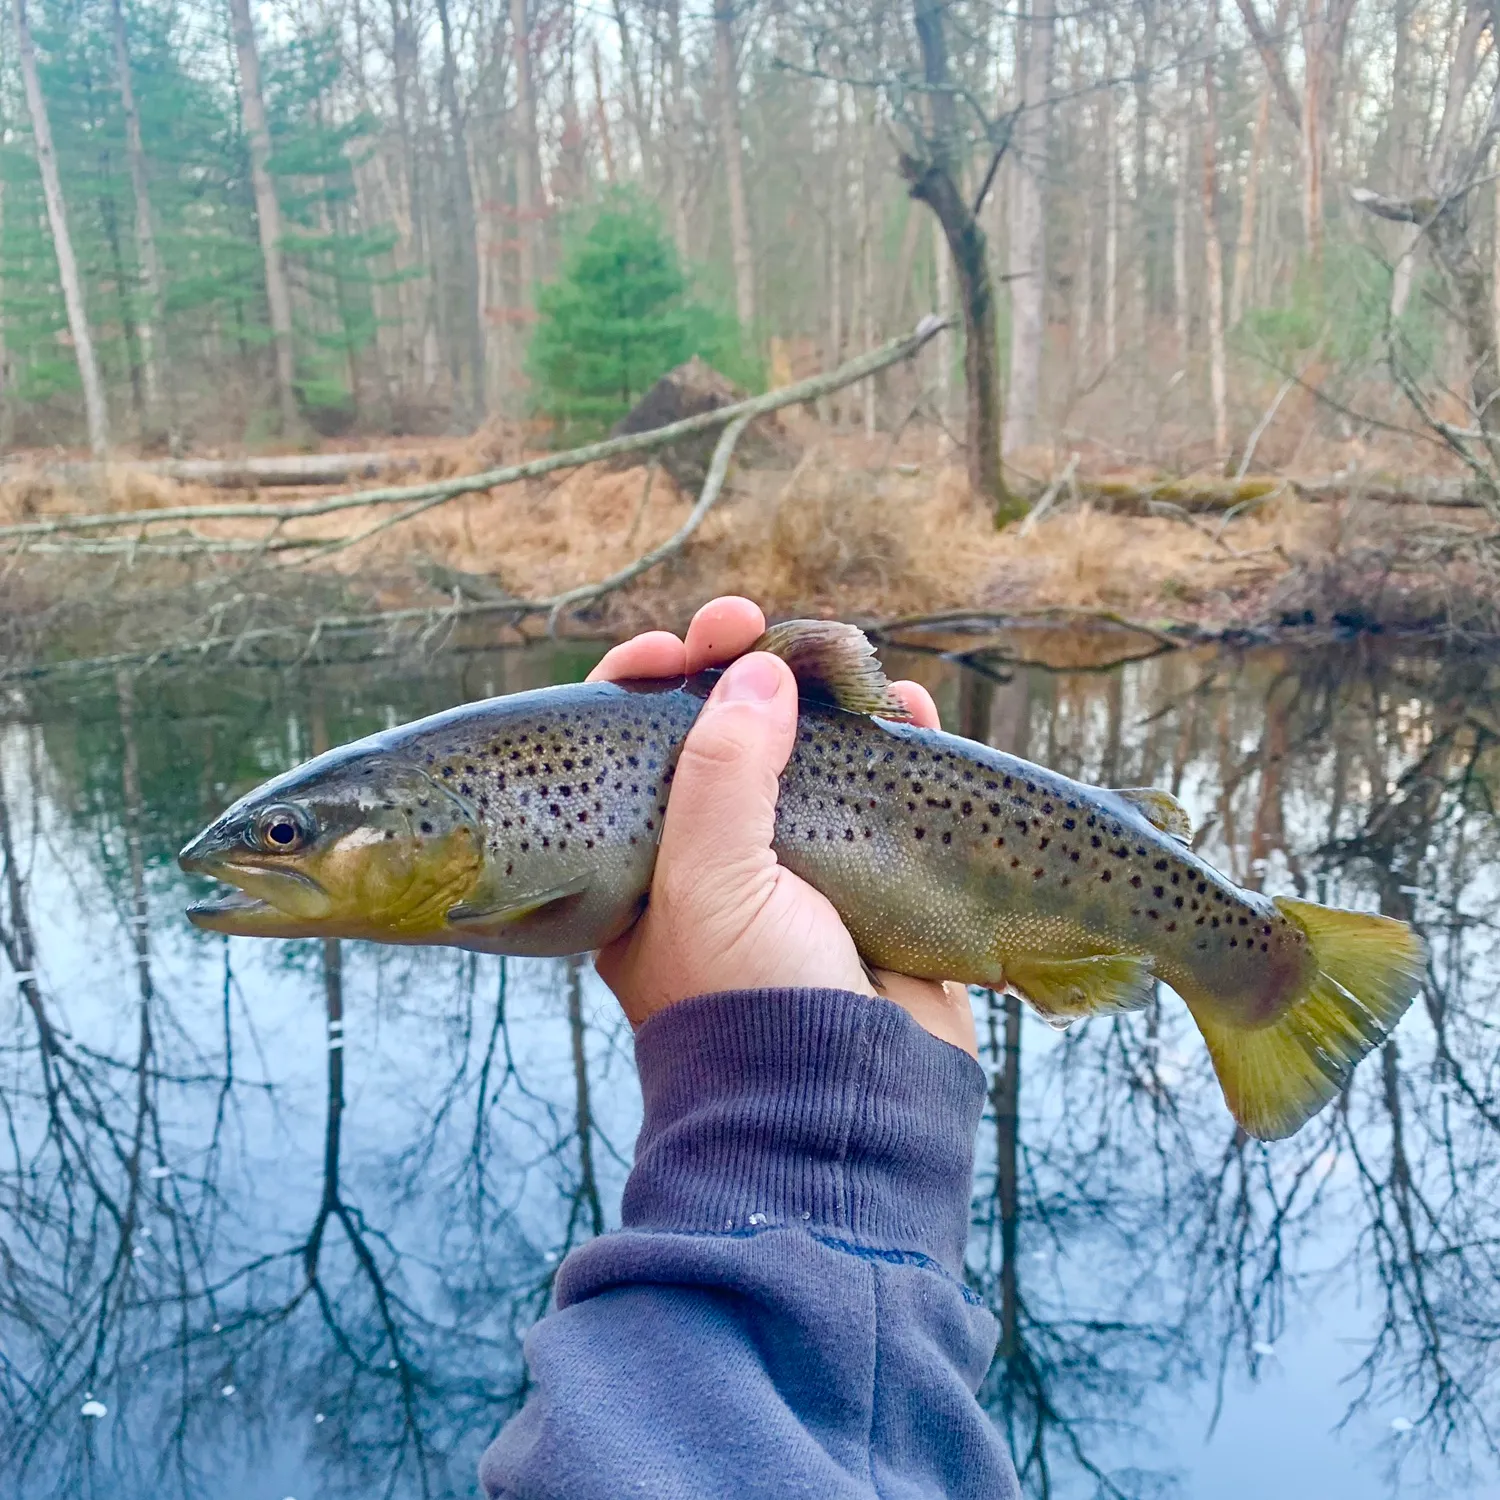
918,703
722,811
723,629
657,653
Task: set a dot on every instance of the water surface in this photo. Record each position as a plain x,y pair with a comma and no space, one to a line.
279,1214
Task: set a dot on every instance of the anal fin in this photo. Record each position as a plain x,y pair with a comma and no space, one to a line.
1064,990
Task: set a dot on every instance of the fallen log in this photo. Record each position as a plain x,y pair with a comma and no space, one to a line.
274,471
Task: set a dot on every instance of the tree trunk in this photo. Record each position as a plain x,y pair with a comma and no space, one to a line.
267,211
676,149
726,78
1461,72
1140,191
864,131
1314,45
1244,245
7,405
1028,244
1111,229
526,158
933,180
1181,306
145,234
95,410
966,245
463,225
1213,255
943,343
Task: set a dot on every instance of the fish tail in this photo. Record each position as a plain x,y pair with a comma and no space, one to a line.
1367,969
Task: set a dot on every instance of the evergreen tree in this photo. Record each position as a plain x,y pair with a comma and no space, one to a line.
618,317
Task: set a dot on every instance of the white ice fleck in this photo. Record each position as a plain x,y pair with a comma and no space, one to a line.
1263,1349
1410,890
227,1391
550,1256
393,1364
138,1252
157,1173
318,1417
1401,1425
758,1219
806,1214
92,1408
729,1223
217,1328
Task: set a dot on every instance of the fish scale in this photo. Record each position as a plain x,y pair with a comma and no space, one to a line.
529,824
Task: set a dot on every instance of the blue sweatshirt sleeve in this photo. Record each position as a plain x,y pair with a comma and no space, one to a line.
782,1312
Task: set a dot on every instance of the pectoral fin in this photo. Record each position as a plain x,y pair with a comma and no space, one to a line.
484,912
1064,990
1160,809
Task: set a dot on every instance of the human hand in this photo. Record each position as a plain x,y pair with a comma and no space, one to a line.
724,913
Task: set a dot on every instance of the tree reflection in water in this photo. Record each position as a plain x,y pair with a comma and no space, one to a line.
266,1254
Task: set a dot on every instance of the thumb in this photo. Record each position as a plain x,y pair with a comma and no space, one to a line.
722,811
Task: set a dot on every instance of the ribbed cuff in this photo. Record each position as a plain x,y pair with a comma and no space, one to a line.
819,1108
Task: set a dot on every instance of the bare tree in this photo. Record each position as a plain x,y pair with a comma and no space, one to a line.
145,233
267,211
727,85
62,239
1028,243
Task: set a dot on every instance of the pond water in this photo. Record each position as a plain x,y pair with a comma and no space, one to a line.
239,1260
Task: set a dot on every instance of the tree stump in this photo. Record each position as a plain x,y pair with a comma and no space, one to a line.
687,391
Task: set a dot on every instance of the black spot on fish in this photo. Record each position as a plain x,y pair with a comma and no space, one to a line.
1073,855
1046,807
1135,880
1123,852
1158,891
1042,843
525,845
921,833
1105,877
1202,886
1070,824
1265,947
947,838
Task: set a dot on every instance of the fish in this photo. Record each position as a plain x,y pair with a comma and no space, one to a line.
528,824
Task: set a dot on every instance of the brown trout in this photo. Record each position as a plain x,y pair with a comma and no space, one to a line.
528,824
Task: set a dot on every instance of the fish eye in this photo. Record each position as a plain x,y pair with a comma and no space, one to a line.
282,829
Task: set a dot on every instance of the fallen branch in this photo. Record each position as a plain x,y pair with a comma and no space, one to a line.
712,485
422,497
980,619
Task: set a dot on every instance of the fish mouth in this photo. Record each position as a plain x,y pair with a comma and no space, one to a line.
262,903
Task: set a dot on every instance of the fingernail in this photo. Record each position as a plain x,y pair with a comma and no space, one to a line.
752,679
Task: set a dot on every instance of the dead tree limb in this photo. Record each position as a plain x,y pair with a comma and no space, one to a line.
419,498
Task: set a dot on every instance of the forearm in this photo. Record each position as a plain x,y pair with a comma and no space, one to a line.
782,1311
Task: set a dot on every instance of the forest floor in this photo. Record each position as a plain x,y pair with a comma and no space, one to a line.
865,529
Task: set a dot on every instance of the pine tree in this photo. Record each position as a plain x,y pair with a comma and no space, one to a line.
619,315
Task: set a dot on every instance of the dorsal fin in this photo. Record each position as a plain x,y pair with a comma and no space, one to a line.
1161,809
834,663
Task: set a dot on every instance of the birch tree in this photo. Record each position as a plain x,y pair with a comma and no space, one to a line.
62,240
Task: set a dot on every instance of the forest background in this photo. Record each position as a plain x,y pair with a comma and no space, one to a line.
336,215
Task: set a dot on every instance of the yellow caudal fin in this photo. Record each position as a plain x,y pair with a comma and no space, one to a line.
1064,990
1276,1078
